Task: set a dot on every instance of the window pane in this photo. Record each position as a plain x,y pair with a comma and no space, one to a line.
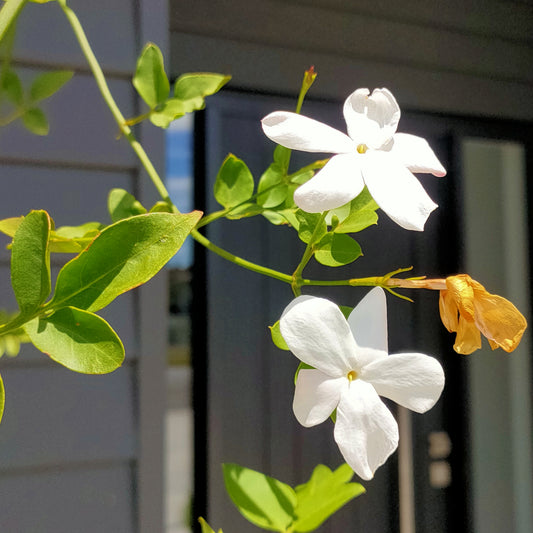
179,418
500,391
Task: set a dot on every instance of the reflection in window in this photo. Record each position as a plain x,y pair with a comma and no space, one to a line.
179,419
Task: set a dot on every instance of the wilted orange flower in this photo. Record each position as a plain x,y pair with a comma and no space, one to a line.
469,310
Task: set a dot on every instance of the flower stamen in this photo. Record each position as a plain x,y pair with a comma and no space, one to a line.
362,148
352,375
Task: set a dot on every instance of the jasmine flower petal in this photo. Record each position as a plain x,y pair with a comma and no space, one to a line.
336,184
303,133
413,380
316,396
365,430
317,333
415,153
371,120
368,322
396,190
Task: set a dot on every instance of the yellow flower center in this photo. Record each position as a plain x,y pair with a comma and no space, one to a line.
352,375
362,148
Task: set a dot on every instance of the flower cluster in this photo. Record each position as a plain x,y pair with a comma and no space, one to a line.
349,360
372,154
352,369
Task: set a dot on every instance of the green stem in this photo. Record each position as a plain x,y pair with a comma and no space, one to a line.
204,241
308,253
110,101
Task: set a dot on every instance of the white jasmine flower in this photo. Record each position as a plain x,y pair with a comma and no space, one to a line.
372,153
352,369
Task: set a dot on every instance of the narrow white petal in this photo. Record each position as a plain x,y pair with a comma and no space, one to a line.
317,333
339,182
371,120
303,133
316,396
413,380
365,430
415,153
396,190
368,322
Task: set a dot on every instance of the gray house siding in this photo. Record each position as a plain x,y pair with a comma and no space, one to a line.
83,453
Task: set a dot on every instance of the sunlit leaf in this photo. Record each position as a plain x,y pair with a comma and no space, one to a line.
337,250
123,256
121,204
277,338
234,183
195,85
30,261
77,339
45,85
206,528
310,226
9,226
245,210
272,189
324,494
261,499
150,78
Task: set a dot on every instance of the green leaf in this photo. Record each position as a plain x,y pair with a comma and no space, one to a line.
281,216
357,221
277,338
150,78
121,204
234,184
35,121
282,156
9,226
272,190
2,398
356,215
244,211
74,239
12,87
77,232
30,261
307,225
161,207
194,85
167,112
337,250
123,256
206,528
263,500
77,339
45,85
324,494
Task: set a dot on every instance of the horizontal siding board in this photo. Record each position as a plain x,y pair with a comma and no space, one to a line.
281,70
320,30
44,36
85,500
82,129
54,417
491,18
